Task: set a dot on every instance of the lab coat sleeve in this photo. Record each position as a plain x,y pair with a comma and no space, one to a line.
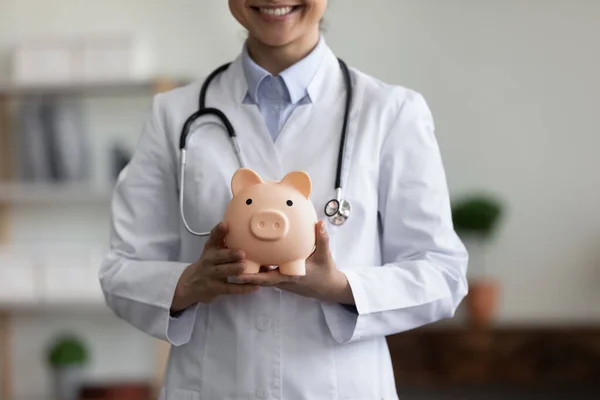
139,274
423,276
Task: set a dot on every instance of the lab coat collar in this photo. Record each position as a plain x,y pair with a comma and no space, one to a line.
299,76
318,88
296,78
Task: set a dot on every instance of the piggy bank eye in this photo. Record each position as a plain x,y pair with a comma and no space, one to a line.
249,201
289,203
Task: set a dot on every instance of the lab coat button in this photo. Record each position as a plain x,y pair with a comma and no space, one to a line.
261,394
262,324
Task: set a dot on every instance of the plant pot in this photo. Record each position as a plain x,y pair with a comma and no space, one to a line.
482,302
67,382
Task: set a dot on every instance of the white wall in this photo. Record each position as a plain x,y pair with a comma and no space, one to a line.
513,85
514,88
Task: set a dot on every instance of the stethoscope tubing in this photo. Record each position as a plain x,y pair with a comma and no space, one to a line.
203,111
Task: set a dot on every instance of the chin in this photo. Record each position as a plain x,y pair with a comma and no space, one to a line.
277,29
275,40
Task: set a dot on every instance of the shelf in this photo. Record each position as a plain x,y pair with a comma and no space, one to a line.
59,305
39,295
109,87
50,276
40,193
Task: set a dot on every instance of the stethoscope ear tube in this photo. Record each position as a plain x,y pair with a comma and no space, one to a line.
181,191
349,96
182,145
209,79
338,209
200,113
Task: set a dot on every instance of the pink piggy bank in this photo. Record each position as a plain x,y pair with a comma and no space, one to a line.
273,222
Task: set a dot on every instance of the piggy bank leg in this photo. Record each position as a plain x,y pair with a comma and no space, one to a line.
251,267
294,268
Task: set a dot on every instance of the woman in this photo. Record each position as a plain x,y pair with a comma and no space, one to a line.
394,265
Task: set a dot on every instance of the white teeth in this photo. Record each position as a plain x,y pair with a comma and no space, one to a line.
277,11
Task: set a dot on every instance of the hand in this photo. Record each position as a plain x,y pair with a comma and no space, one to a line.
323,280
206,279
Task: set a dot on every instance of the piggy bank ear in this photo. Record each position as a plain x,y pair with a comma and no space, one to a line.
300,181
243,178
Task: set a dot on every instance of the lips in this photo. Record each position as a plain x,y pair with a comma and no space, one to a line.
277,11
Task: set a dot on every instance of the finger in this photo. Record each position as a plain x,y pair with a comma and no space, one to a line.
227,270
217,235
322,236
233,289
223,256
286,286
270,278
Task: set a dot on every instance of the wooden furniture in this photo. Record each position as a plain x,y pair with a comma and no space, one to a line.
12,192
129,391
508,355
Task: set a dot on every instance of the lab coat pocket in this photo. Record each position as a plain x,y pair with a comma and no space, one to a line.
180,394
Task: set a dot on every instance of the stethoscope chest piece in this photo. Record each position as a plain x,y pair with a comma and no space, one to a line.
337,211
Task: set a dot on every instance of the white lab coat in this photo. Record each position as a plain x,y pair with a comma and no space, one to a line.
404,262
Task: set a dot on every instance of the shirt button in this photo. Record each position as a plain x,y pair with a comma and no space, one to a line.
262,324
262,394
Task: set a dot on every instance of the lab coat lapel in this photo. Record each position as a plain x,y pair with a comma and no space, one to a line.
326,89
314,123
262,147
310,139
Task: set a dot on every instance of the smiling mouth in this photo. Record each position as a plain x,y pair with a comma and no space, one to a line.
281,11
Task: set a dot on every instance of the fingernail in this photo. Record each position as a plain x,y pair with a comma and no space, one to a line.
233,279
323,229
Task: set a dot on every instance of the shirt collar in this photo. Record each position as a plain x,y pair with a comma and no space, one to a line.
297,77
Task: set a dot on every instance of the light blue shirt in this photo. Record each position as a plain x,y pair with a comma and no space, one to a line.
278,96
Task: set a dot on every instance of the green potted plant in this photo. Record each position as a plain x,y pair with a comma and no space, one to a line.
67,357
476,218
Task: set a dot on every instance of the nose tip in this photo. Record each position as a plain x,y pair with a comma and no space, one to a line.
269,224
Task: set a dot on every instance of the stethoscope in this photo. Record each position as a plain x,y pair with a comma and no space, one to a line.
337,209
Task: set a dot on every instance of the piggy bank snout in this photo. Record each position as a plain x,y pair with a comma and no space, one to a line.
269,224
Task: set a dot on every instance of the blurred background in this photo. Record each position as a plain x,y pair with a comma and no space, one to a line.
514,88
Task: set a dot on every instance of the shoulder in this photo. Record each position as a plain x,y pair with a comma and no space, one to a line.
402,114
180,99
168,112
394,100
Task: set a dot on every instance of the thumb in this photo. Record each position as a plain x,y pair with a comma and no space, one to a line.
217,235
322,242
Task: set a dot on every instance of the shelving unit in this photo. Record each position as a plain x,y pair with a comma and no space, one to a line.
6,378
100,88
53,193
14,194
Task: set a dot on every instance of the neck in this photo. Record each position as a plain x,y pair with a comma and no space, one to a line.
278,58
